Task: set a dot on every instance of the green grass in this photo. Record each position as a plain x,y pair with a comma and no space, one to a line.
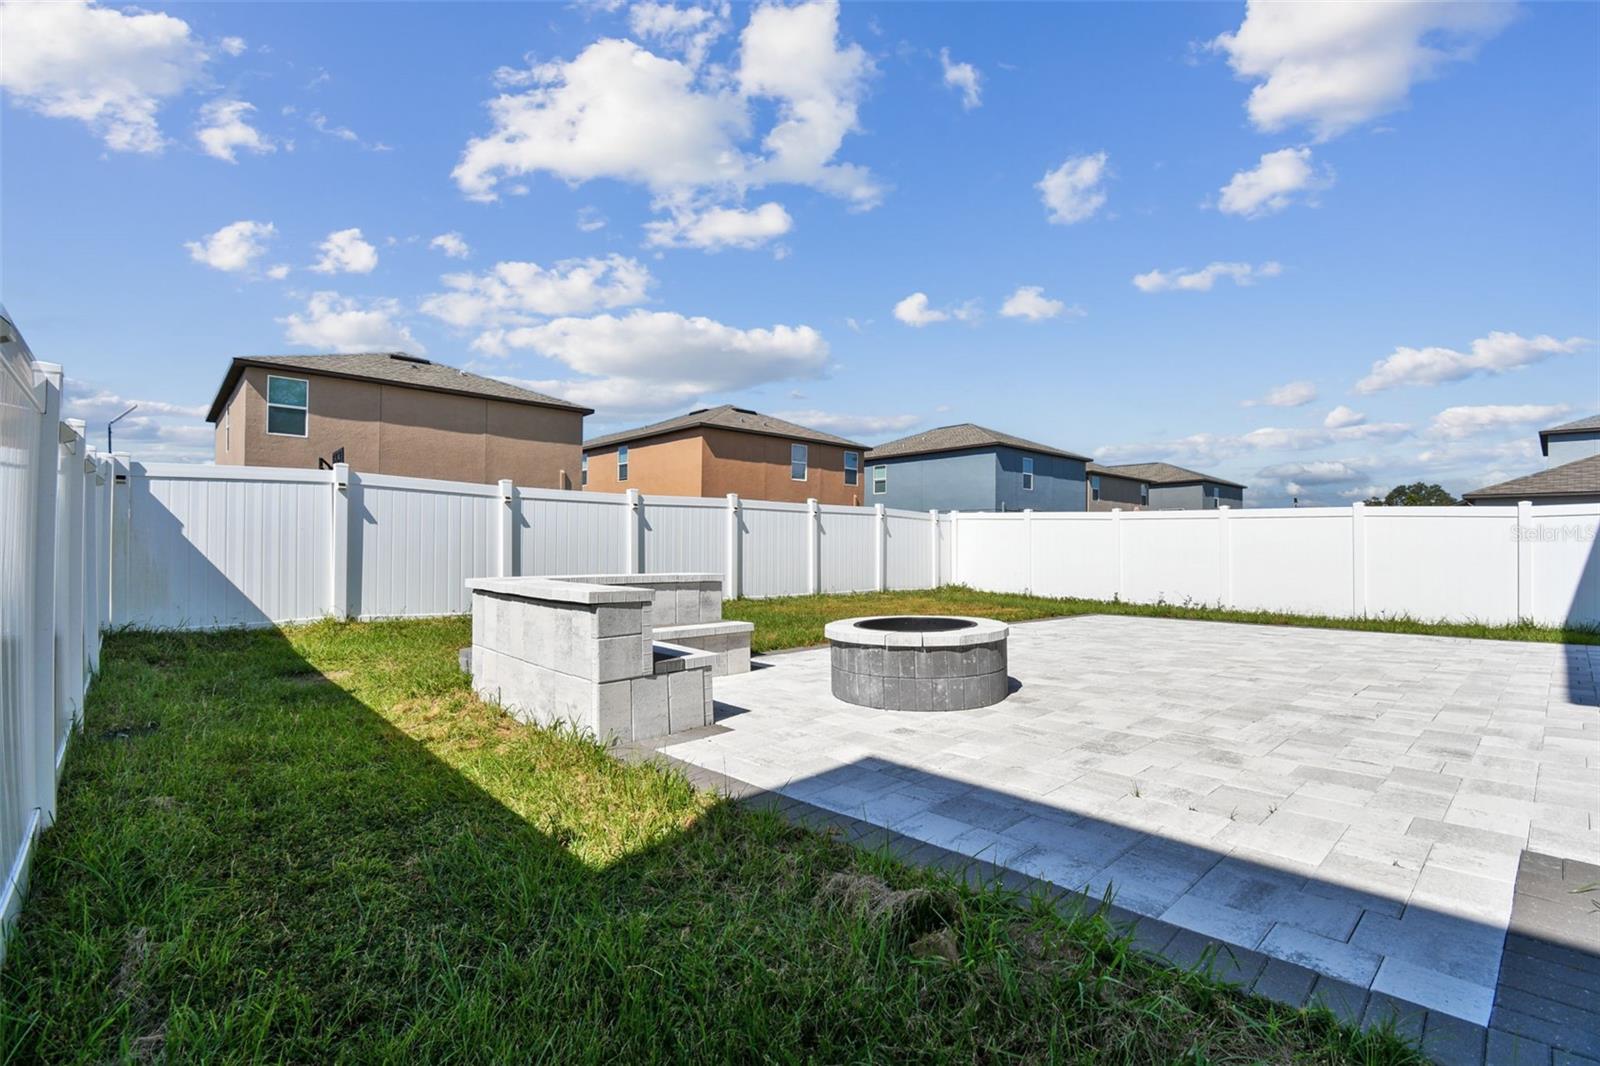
797,621
317,845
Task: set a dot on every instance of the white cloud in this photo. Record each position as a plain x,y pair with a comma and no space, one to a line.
157,430
590,219
1030,302
510,292
689,31
712,228
1273,185
619,111
1454,423
1202,280
335,323
224,132
1214,447
234,248
1073,191
345,252
234,46
451,244
964,78
1318,472
1341,417
1294,394
914,311
851,425
1334,66
278,272
657,360
323,125
109,69
1494,354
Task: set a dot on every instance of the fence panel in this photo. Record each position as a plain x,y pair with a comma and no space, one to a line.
847,549
572,532
418,544
1559,545
1442,562
1287,560
994,552
208,547
685,535
774,539
908,555
1072,555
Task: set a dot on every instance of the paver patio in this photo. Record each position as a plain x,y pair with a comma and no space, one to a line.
1355,803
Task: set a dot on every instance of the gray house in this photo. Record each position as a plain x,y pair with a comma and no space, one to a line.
1159,487
1571,473
970,468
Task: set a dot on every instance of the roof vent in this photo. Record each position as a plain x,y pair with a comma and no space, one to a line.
700,410
407,357
746,411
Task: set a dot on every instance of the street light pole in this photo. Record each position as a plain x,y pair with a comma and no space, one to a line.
113,422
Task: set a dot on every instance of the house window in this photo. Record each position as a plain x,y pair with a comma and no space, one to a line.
622,463
1144,493
797,462
1027,475
288,401
852,468
1094,486
583,476
880,480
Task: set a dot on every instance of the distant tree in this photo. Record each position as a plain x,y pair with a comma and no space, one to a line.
1416,494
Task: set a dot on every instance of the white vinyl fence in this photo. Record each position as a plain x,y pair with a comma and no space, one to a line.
200,547
1483,564
54,599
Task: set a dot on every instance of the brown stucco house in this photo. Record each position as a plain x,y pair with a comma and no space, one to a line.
394,413
717,450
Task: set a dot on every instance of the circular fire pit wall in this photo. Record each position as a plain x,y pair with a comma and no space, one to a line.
919,662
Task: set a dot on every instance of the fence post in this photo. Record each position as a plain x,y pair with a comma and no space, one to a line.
813,547
94,559
880,537
634,516
339,550
1224,555
69,566
732,586
121,518
508,528
933,543
1358,559
1116,552
39,768
1525,603
955,547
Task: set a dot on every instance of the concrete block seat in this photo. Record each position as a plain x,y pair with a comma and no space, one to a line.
555,650
687,610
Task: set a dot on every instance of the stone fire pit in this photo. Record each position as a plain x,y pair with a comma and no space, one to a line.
919,662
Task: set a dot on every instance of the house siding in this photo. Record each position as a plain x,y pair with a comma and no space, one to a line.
1192,497
1116,493
950,481
1570,447
1058,482
707,461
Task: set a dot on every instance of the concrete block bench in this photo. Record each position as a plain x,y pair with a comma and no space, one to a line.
687,610
555,650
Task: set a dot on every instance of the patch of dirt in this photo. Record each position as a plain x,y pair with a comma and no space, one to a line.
939,944
149,1048
134,954
128,732
308,679
906,912
162,803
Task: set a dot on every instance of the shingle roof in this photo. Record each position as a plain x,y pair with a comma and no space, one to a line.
961,438
725,417
391,368
1581,425
1162,474
1578,478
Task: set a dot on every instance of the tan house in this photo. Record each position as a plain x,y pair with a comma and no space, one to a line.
718,450
393,413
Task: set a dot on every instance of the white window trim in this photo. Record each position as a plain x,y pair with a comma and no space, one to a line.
1144,492
583,473
804,452
1027,474
622,463
288,406
876,491
852,474
227,430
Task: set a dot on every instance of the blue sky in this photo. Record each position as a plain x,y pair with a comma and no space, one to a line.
1316,249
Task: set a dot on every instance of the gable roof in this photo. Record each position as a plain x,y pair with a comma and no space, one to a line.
726,416
1578,478
962,437
1581,425
389,368
1161,474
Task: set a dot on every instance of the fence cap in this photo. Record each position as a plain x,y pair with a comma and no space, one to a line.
557,590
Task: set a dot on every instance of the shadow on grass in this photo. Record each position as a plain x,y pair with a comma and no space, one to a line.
327,848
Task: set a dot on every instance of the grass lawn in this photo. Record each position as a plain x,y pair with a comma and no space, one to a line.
317,845
797,621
